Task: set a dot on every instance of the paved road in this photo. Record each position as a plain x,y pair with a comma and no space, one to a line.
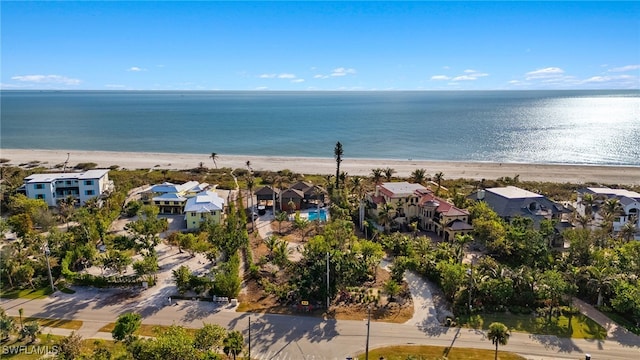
279,337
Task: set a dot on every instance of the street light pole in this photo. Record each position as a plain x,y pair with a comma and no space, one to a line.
470,273
327,281
366,348
46,255
249,337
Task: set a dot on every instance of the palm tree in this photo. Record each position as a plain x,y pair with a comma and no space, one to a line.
250,182
583,220
213,157
499,335
385,215
588,200
600,279
388,173
301,224
337,153
439,176
271,242
418,176
282,216
392,288
612,206
21,312
628,230
376,174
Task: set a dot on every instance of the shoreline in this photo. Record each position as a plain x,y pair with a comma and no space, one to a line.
558,173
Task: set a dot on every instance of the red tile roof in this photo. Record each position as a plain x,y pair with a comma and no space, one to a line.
444,207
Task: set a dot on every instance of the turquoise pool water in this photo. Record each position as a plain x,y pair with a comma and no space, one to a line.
313,215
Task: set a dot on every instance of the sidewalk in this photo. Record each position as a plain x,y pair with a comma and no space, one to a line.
614,331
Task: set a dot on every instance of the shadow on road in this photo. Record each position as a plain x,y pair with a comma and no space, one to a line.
553,342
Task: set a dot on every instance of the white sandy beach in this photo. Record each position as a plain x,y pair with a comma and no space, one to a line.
608,175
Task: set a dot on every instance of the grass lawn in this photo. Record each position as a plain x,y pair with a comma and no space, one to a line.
26,293
56,323
145,329
622,321
580,326
437,352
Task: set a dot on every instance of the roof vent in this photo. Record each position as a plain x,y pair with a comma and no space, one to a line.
480,194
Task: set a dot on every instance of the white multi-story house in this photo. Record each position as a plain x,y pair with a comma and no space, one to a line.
54,187
629,206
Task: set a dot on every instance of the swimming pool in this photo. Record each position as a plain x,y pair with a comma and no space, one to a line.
313,215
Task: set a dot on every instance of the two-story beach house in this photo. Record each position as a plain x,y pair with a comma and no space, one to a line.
629,210
510,202
171,198
82,186
206,204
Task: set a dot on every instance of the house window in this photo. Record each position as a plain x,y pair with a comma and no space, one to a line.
89,192
39,186
40,196
88,182
68,182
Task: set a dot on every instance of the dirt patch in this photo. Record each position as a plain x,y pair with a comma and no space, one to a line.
254,298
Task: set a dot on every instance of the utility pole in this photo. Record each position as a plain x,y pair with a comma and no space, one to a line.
249,337
327,281
470,273
46,255
366,348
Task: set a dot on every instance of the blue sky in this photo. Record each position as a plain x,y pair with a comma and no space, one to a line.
204,45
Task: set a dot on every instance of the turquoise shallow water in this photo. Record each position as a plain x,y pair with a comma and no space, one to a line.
580,127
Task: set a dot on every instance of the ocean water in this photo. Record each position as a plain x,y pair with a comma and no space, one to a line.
576,127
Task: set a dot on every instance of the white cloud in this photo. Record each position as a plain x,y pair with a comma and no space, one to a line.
286,76
445,67
342,71
277,76
440,77
136,69
470,75
464,78
47,79
601,79
625,68
544,73
320,76
297,80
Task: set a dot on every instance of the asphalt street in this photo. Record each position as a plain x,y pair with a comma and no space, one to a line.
279,337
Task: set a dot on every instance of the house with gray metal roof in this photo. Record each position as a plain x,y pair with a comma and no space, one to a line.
510,202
